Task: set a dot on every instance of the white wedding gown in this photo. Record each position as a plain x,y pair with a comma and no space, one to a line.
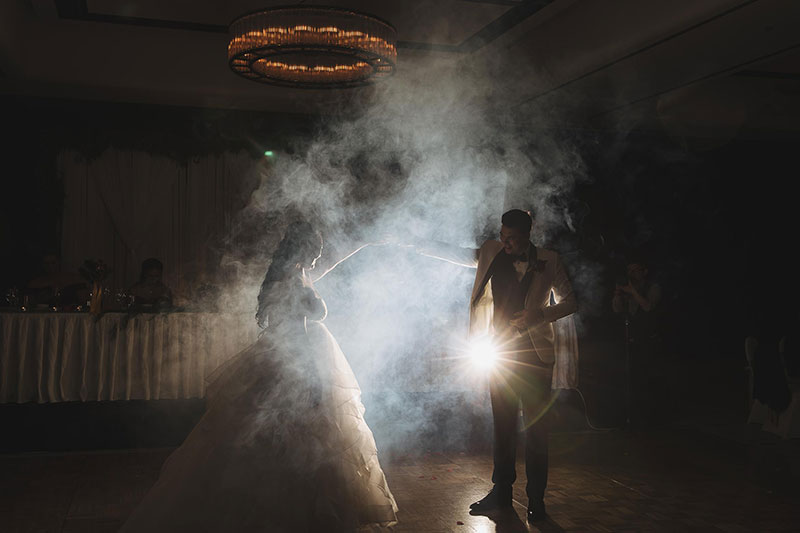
283,445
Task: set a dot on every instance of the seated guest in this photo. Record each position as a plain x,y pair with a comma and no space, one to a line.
150,291
53,287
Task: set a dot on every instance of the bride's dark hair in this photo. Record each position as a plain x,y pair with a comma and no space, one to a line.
300,246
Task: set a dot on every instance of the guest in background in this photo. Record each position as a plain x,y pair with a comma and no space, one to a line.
772,326
637,296
150,290
790,350
54,287
766,340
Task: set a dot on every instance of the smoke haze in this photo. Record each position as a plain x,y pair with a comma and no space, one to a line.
433,155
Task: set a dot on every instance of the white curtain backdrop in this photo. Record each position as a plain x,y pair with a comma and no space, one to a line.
126,206
59,357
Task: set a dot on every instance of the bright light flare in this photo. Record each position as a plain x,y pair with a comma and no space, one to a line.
482,353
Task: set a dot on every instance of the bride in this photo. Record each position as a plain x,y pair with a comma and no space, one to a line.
283,445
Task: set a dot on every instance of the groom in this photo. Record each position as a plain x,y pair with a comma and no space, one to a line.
519,291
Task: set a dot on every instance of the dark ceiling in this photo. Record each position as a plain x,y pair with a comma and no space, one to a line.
707,68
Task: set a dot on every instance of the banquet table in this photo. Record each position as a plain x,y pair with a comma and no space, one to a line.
58,357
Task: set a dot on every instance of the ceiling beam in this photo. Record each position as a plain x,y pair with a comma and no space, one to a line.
521,10
639,51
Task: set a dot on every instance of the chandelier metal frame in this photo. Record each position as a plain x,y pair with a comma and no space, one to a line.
312,47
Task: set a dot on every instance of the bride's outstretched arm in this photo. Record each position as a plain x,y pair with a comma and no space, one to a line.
467,257
322,267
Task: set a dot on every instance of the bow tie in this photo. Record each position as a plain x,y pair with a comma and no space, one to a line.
523,258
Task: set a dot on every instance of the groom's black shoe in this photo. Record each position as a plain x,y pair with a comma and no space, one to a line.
498,498
536,511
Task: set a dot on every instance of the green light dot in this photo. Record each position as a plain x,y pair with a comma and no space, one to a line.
268,153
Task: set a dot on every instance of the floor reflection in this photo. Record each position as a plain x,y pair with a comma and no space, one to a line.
609,482
512,521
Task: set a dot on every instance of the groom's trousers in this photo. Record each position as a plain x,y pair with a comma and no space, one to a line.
514,383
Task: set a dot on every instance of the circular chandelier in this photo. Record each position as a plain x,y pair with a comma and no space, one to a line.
312,47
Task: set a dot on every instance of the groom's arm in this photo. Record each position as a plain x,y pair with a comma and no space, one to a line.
566,303
467,257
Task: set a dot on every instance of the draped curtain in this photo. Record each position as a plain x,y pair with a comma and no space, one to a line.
125,206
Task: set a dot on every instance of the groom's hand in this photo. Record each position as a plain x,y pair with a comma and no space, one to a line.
527,318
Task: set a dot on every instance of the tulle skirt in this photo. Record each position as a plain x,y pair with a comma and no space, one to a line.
283,446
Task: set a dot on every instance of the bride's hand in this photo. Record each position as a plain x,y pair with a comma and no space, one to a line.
383,240
394,240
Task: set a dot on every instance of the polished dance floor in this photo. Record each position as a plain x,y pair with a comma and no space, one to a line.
677,479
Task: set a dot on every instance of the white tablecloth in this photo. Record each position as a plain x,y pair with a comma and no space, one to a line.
56,357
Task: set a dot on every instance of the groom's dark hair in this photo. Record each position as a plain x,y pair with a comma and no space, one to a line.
518,219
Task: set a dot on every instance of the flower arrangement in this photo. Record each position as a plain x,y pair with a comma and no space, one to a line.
95,272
